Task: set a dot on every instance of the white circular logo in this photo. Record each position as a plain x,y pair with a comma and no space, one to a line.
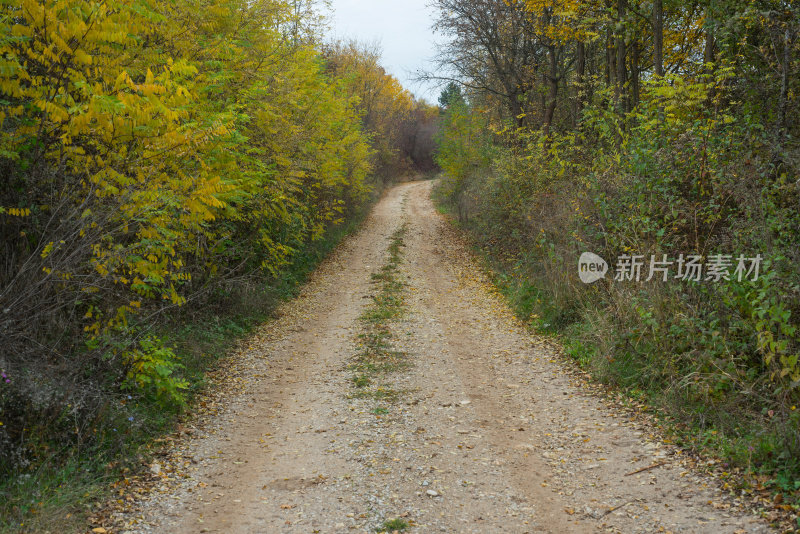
591,267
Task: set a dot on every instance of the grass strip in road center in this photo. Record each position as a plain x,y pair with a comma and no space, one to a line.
376,356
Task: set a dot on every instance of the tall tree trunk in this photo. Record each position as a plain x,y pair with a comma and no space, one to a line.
622,74
580,79
610,70
658,37
708,51
552,82
784,98
515,107
544,95
634,73
592,68
609,66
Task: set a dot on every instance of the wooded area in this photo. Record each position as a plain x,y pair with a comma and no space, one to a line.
642,129
154,155
171,168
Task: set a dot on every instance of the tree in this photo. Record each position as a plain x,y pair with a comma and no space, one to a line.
390,113
492,52
153,153
450,95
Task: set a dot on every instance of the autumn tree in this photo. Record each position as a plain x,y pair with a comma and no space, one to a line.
492,51
401,127
153,154
654,128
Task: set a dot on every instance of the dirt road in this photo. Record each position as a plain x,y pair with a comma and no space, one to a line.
484,430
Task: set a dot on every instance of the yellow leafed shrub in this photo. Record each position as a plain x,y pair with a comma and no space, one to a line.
151,150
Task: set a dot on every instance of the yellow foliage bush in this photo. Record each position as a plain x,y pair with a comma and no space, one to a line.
153,149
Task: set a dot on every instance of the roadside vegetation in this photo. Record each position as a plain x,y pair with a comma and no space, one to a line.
643,129
171,171
61,490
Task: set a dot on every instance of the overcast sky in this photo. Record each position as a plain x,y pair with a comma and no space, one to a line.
403,29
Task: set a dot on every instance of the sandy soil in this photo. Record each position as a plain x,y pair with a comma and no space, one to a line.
491,432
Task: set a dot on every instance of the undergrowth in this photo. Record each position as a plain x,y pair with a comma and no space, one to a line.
62,489
662,349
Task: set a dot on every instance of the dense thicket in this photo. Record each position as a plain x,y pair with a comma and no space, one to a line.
643,128
152,154
400,126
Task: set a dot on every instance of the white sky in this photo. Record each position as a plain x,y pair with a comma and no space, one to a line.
403,29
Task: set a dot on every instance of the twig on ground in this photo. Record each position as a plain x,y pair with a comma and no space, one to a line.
648,468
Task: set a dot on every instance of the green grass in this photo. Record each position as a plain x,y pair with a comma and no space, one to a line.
56,497
59,493
376,357
361,381
393,525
